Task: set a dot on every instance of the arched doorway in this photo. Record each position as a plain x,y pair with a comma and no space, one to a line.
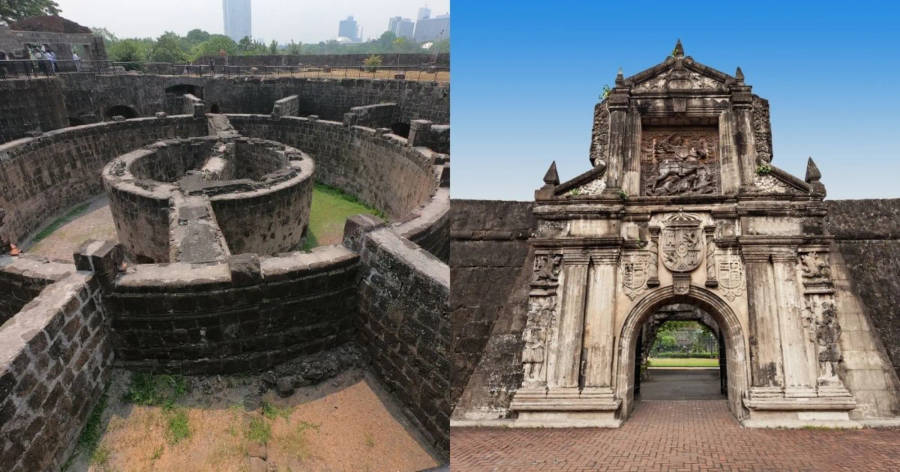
679,356
731,336
121,110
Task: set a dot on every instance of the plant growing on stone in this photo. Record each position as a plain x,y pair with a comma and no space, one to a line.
372,62
763,169
606,91
623,195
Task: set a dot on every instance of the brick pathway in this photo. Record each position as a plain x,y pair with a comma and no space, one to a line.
675,436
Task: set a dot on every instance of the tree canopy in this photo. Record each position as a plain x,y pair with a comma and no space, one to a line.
14,10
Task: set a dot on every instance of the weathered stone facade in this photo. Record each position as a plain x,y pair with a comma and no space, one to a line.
682,206
30,106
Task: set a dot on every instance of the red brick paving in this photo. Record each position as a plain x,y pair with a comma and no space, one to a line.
675,436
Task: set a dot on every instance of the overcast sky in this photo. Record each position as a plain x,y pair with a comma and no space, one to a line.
308,21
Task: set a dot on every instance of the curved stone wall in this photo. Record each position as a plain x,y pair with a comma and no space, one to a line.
39,177
382,170
259,192
93,94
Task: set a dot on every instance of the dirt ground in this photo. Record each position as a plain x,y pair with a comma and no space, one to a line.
95,222
346,423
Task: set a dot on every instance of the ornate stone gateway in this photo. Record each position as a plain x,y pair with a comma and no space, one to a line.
682,205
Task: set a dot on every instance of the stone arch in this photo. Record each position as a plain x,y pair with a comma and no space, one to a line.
181,89
121,110
729,324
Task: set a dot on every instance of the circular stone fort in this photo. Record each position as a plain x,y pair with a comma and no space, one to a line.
218,241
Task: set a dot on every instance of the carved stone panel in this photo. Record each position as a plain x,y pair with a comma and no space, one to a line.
541,315
678,78
679,160
635,273
730,274
681,243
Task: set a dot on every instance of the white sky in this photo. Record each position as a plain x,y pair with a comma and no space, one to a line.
308,21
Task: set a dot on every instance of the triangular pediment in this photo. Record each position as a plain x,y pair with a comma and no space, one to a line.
680,73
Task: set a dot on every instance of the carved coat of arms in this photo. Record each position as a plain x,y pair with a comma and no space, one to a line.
730,275
634,274
681,243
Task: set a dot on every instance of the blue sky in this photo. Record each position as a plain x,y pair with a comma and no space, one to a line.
526,76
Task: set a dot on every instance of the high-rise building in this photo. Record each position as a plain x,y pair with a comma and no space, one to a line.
349,29
237,19
424,12
432,29
401,27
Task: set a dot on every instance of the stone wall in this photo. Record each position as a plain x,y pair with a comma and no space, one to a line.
333,60
380,170
54,360
488,255
40,177
88,46
30,105
405,324
94,94
18,289
434,137
382,115
867,275
239,317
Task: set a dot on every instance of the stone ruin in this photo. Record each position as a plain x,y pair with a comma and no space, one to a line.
211,210
682,205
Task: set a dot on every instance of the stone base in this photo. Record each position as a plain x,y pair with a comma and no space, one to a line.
566,408
798,408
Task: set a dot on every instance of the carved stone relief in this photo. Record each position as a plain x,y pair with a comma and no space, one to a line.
542,313
550,228
635,273
678,78
600,135
730,274
594,187
762,129
769,184
679,161
815,267
681,243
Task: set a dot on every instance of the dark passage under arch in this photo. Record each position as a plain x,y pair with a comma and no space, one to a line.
121,110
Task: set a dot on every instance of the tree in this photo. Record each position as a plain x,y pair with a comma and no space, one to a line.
168,49
104,33
14,10
213,45
294,48
197,36
273,47
131,51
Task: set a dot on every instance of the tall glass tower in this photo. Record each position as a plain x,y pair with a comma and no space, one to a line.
237,18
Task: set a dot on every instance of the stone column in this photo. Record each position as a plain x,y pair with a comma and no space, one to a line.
742,102
618,138
599,330
798,380
653,266
765,339
565,356
631,180
729,168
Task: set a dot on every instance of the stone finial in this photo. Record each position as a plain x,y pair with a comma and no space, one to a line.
620,77
813,177
739,74
551,177
679,49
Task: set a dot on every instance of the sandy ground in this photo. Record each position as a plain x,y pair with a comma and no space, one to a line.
346,423
95,223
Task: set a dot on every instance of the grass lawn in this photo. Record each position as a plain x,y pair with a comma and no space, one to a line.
687,362
329,210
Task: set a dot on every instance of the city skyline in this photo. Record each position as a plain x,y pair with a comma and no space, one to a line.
238,16
313,21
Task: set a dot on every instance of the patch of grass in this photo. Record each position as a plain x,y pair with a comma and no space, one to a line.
260,430
100,456
271,411
57,223
686,362
157,453
370,441
295,441
155,390
90,435
329,210
177,426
